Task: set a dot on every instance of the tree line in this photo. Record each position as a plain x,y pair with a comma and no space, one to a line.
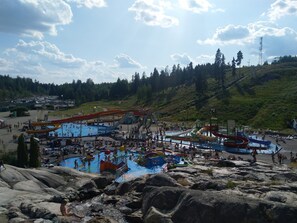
141,85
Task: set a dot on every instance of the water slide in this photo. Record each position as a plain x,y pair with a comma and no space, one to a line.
253,140
233,141
57,123
204,137
40,131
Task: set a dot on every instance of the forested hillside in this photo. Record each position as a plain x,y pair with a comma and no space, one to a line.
261,96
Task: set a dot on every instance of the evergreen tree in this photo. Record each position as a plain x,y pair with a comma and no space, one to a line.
219,68
34,153
233,67
239,58
22,152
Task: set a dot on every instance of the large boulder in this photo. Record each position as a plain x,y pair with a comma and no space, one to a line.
160,180
28,185
11,175
104,180
184,205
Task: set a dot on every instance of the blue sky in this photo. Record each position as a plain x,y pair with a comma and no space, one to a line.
58,41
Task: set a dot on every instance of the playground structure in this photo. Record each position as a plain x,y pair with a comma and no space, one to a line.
209,137
200,134
111,115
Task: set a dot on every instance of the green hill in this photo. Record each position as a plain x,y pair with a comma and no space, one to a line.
264,97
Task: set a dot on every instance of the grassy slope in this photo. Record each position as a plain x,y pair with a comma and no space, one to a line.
265,98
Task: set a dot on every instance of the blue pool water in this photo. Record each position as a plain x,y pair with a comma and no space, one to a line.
81,130
134,171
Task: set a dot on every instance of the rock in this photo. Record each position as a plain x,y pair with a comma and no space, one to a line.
3,183
102,219
290,177
135,204
40,220
285,197
260,177
226,163
11,175
167,199
214,206
15,212
160,180
110,189
111,200
138,184
209,185
28,185
18,220
88,190
135,217
35,212
123,188
104,180
125,210
88,193
153,216
47,178
88,185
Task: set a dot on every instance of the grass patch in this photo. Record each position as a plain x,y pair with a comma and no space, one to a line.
230,184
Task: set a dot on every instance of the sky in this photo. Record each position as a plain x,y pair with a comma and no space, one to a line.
58,41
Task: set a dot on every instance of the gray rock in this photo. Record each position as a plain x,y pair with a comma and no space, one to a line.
290,177
28,185
123,188
135,217
104,180
110,189
12,176
18,220
153,216
160,180
213,206
209,185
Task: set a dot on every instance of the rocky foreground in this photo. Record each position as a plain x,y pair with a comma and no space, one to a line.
208,191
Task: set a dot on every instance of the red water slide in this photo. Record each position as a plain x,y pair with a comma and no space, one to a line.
90,116
233,141
56,123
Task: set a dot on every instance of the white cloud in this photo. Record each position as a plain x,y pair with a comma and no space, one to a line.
182,59
89,3
277,41
152,13
205,59
282,8
242,35
46,63
33,17
196,6
42,51
125,61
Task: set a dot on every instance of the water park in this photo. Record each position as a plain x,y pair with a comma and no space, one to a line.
126,144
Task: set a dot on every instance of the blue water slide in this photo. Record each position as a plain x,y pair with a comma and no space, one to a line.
253,140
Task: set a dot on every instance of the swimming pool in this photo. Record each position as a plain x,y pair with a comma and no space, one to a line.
133,172
80,130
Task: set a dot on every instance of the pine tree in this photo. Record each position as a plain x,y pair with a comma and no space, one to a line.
239,58
34,153
233,67
22,152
